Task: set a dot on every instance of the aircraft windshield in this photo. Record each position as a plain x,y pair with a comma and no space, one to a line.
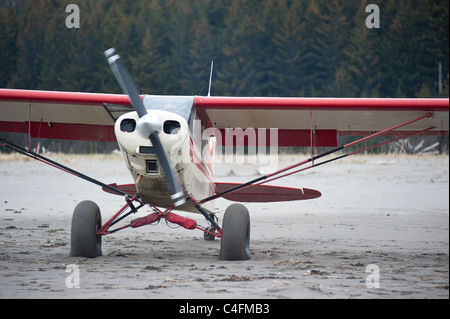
180,105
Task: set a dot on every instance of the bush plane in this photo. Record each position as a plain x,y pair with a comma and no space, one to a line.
168,145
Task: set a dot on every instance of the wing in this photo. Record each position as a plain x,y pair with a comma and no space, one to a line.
91,116
329,117
61,115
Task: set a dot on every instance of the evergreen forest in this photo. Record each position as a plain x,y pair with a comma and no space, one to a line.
259,47
303,48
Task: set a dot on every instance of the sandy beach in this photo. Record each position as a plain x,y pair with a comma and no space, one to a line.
380,230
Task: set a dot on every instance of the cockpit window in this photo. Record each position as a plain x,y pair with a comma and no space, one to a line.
180,105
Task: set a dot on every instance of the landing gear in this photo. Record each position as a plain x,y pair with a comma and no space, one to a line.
208,234
235,242
211,232
86,221
87,229
234,234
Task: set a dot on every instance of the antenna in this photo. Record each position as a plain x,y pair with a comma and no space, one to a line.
210,78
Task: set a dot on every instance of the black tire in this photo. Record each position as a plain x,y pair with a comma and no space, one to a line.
86,221
235,240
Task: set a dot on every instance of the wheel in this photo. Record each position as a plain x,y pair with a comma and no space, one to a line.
86,221
235,241
208,236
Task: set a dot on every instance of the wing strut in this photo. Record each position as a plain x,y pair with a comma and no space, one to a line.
270,177
45,160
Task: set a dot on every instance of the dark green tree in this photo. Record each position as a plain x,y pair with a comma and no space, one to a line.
361,60
30,43
286,65
8,44
241,71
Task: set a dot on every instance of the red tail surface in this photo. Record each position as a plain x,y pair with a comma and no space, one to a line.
266,193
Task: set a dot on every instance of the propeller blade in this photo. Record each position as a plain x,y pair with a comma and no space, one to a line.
125,81
147,126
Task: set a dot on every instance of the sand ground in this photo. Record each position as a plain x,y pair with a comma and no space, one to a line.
380,230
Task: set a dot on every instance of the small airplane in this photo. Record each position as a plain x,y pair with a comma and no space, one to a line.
168,144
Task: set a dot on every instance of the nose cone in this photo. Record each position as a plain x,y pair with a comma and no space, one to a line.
148,124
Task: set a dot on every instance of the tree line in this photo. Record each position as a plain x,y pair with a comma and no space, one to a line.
259,47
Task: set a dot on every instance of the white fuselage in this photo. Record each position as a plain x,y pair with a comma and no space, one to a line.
195,176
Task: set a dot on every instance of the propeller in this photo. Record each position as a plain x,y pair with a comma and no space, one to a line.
147,126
